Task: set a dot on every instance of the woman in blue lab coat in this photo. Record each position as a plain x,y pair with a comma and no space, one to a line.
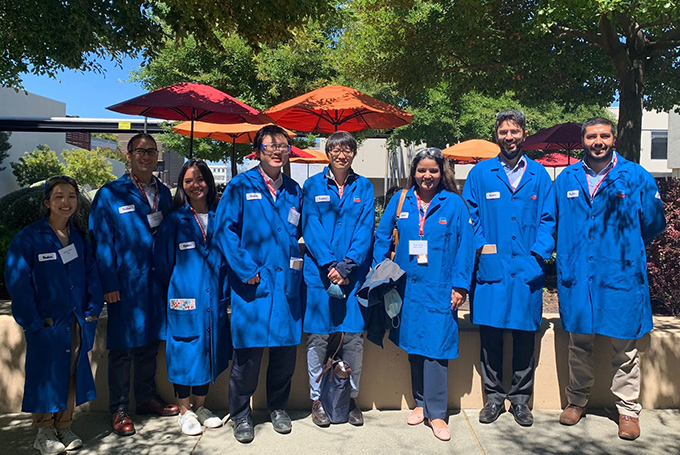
56,298
192,282
436,251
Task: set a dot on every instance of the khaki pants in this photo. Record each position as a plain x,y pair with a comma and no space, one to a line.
626,373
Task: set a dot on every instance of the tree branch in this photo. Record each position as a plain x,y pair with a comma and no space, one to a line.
564,32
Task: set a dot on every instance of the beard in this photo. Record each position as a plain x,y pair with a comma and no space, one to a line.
511,155
600,159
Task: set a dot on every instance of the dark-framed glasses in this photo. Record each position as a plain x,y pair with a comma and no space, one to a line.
344,151
140,152
272,148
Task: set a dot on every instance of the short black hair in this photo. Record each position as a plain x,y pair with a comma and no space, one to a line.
137,137
341,139
511,115
269,130
597,121
181,199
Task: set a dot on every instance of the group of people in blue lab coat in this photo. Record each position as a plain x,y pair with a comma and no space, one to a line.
169,268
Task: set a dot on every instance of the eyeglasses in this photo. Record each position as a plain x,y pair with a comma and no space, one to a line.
339,151
271,148
141,152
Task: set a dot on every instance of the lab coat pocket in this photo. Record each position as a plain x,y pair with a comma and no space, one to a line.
533,272
490,268
566,270
89,331
183,319
293,283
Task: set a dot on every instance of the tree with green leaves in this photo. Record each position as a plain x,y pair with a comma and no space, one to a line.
88,167
4,147
38,165
571,52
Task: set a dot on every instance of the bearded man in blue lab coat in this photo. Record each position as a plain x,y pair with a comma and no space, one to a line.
608,209
124,218
511,207
258,227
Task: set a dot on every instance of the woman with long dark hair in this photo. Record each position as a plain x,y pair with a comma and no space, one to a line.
192,280
435,250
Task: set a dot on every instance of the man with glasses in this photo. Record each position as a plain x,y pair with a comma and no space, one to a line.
124,217
511,207
338,216
258,226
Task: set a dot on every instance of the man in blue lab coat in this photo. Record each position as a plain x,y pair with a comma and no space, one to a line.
608,209
511,207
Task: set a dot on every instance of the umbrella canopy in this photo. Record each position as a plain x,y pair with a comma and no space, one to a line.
295,152
554,160
472,150
563,136
316,158
190,101
335,107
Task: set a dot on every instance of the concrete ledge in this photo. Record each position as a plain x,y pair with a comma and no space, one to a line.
385,383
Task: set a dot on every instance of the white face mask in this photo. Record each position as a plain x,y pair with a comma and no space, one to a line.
393,303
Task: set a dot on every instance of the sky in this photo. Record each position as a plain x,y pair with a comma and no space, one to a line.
87,94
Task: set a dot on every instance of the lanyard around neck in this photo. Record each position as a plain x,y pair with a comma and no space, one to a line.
422,214
154,207
597,186
200,225
272,190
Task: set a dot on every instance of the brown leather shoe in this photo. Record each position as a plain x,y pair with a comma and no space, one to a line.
356,417
572,414
319,416
629,427
157,406
122,423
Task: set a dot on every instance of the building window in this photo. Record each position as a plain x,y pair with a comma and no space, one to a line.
659,145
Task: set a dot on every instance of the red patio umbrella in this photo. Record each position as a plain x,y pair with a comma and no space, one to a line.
190,101
563,136
554,160
335,107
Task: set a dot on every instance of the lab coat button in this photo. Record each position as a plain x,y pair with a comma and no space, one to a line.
512,275
278,269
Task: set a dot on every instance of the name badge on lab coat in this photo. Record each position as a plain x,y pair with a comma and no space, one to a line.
68,253
187,246
403,215
253,196
493,195
126,209
47,257
296,263
417,247
572,194
322,198
293,216
155,219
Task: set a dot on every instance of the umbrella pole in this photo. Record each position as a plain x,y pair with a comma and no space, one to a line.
233,158
191,140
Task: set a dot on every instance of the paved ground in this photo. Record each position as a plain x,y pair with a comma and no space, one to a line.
385,432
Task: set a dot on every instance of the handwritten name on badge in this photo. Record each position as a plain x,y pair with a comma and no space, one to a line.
253,196
187,246
126,209
323,198
493,195
183,304
403,215
572,194
47,257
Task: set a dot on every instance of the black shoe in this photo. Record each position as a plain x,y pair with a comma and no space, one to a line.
490,412
356,417
522,414
243,429
281,421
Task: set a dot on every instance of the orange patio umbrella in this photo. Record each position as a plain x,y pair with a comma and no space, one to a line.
335,107
236,133
472,150
316,158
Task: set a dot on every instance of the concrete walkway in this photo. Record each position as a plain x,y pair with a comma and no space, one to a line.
385,432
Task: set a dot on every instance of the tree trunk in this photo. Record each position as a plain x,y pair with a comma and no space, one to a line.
630,121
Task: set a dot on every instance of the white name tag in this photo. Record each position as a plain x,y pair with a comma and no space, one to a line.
155,219
493,195
47,257
572,194
296,263
126,209
253,196
417,247
187,246
293,216
68,253
403,215
322,198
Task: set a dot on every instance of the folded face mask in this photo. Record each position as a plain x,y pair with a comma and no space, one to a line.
335,291
392,303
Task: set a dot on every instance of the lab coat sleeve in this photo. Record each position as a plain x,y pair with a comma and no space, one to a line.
229,224
316,239
383,235
652,217
164,263
104,241
465,252
362,237
545,241
472,198
19,282
95,294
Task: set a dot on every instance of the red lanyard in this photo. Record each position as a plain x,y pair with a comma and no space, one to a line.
272,190
146,198
341,189
200,225
422,214
592,193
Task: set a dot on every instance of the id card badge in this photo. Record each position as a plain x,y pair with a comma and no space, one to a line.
296,263
155,219
68,253
422,259
294,217
417,247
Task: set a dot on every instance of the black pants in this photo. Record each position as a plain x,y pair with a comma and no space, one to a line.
523,365
185,391
245,371
120,364
429,383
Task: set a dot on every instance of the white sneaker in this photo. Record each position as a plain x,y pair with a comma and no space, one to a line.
70,440
207,418
48,443
189,424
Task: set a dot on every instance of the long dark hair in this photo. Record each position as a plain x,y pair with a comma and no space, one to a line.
448,181
53,181
181,199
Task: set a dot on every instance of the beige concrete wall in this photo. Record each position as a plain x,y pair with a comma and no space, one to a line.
385,380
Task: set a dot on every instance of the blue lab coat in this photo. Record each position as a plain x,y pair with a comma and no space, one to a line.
601,260
428,326
42,286
198,346
508,286
335,229
123,246
257,235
